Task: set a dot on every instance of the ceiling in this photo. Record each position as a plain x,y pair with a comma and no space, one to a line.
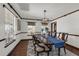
35,10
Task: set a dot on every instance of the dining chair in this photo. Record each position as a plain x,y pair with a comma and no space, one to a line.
59,35
40,47
64,37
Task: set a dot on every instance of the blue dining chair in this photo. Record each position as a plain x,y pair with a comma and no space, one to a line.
64,37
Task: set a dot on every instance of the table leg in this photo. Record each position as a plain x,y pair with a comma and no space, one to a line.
58,51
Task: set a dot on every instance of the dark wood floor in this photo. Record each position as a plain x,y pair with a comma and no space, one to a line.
73,49
20,49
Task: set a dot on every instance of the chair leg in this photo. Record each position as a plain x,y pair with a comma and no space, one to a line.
58,51
37,54
47,53
35,50
64,50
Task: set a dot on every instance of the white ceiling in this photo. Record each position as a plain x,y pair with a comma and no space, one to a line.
35,10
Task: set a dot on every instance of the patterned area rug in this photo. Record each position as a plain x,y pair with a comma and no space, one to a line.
54,52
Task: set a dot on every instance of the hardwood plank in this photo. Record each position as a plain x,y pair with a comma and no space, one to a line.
73,49
20,49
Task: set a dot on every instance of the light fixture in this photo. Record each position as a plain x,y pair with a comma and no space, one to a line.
45,20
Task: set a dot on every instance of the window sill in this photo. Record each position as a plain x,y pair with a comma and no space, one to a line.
2,39
9,43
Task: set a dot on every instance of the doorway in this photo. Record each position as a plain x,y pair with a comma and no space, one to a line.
54,28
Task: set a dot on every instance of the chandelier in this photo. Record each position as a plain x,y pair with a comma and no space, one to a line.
45,20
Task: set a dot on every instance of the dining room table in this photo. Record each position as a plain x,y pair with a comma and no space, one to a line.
58,43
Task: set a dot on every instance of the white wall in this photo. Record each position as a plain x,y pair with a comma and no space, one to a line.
2,21
38,26
2,33
23,26
70,24
49,26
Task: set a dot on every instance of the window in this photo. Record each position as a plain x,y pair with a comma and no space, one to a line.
9,26
31,27
31,23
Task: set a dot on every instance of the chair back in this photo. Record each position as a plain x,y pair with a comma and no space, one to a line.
59,35
65,36
35,40
54,34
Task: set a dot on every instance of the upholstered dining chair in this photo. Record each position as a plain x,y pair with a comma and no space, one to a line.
40,47
64,37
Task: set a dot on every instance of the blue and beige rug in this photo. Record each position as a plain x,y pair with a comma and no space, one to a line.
54,52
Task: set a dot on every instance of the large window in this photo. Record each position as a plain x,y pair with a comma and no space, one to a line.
31,27
9,26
